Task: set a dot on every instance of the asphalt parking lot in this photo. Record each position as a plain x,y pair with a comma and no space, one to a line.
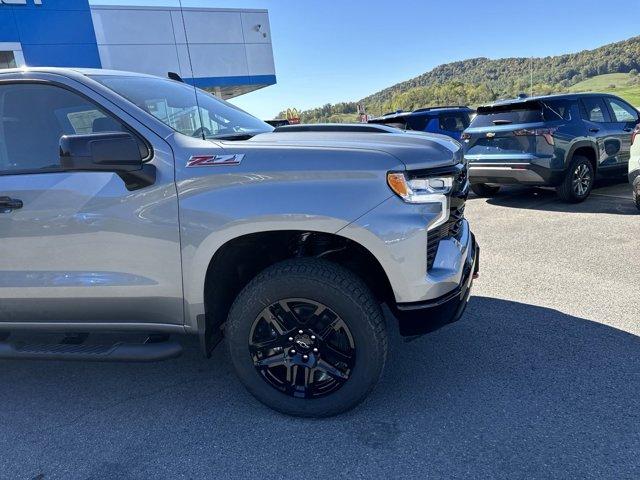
540,379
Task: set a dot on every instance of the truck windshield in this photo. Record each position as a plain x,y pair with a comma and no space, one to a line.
174,103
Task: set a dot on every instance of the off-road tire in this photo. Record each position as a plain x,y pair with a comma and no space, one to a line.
339,289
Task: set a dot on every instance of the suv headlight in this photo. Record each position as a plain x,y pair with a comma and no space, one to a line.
419,190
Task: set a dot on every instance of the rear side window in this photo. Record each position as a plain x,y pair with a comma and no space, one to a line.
454,122
594,110
622,112
556,109
507,114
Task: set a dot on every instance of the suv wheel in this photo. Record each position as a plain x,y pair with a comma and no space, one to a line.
307,338
484,190
578,181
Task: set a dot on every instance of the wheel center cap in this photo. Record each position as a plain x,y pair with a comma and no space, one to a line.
304,341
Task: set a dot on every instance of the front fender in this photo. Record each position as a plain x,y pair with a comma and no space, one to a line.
271,190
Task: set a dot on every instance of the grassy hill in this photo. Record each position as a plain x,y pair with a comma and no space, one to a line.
621,84
480,80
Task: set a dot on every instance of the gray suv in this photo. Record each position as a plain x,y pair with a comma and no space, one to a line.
563,141
141,206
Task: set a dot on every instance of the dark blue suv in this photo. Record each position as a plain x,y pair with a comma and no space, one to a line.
562,141
450,121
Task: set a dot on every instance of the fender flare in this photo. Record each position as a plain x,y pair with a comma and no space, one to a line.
580,144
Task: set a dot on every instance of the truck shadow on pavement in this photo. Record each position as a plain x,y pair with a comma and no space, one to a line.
609,196
511,391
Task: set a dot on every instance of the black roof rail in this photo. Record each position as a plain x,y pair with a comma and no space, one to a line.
439,108
394,113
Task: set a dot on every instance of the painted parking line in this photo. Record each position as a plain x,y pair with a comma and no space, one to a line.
612,196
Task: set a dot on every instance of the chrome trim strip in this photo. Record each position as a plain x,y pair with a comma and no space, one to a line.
443,200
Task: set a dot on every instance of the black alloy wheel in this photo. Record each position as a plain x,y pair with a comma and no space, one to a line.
302,348
307,337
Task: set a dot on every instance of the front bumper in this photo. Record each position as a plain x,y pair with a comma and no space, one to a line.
418,318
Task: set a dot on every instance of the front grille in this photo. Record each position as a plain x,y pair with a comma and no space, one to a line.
452,228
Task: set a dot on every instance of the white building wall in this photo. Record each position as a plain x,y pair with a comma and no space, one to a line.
223,42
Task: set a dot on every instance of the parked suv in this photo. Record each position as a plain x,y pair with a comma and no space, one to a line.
450,121
132,203
562,141
634,165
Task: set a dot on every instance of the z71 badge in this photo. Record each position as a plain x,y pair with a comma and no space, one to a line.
215,160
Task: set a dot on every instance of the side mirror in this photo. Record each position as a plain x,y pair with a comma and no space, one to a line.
116,152
101,152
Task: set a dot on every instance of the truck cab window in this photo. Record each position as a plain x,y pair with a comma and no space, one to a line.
34,116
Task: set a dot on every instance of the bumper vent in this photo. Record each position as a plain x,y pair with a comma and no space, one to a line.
451,229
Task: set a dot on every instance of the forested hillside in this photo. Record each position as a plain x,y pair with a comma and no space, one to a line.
479,80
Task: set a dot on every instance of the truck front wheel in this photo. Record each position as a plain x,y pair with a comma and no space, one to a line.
307,338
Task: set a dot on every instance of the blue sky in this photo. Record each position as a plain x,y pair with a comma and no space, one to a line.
330,51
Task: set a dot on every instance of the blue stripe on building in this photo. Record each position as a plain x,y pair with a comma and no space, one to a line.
207,82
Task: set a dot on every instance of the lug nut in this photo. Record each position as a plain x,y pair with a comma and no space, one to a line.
313,337
291,339
300,332
305,357
315,350
292,351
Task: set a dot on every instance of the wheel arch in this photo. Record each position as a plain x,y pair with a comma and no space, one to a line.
239,258
586,149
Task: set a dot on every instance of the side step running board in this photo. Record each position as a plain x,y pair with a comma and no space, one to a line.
119,352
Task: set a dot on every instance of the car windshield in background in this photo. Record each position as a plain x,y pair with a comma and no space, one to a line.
174,104
518,113
454,122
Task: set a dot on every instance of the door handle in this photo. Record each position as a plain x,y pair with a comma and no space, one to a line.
594,130
7,204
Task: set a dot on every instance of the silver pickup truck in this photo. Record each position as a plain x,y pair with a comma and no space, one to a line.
140,206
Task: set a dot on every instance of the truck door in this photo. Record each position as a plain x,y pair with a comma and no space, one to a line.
79,246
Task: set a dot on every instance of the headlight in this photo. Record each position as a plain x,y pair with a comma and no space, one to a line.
419,190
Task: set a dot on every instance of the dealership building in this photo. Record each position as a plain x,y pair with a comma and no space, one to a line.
226,51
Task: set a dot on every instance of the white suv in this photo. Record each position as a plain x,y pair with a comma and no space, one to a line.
634,165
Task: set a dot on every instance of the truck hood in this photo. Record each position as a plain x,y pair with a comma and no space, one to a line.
416,150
